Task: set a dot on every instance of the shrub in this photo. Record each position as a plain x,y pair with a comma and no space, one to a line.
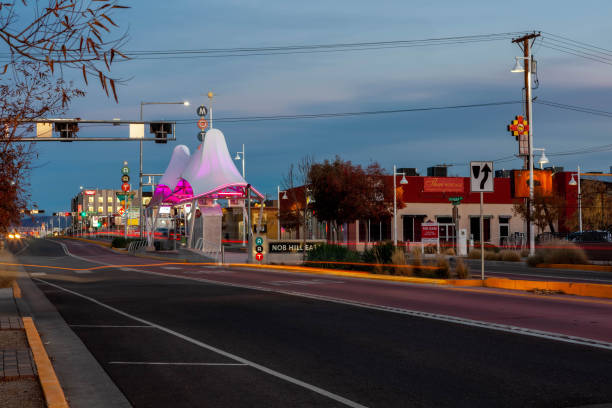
492,256
449,251
462,271
431,249
510,256
379,254
559,252
328,256
474,254
524,253
399,258
416,259
443,267
119,242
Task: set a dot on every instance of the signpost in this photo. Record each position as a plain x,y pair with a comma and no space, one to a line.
430,234
259,248
481,180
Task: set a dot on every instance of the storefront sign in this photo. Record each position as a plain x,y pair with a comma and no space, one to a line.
288,247
429,231
542,183
443,185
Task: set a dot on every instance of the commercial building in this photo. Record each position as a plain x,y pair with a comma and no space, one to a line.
101,206
429,199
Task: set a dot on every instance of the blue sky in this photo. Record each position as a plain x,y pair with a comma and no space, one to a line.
343,82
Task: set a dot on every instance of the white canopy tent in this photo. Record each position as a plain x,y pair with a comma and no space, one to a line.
208,173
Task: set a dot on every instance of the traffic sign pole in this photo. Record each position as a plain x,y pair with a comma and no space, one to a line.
481,238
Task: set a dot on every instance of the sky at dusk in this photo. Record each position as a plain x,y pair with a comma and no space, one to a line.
350,81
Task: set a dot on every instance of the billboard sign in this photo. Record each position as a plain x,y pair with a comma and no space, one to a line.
542,183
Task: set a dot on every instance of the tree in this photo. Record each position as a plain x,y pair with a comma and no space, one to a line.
596,209
63,34
295,183
30,94
344,192
43,39
547,210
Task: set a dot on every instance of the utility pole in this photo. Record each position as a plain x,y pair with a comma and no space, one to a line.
528,108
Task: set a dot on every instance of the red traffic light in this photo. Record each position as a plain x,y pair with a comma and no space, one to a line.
67,214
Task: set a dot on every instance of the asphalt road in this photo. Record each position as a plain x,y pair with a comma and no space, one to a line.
190,335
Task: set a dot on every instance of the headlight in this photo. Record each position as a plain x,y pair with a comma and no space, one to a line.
17,236
11,236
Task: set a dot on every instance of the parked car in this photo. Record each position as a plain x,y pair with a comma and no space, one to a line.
590,236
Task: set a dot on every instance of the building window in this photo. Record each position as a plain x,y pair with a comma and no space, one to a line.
110,209
90,199
504,229
100,209
90,208
475,228
110,199
100,199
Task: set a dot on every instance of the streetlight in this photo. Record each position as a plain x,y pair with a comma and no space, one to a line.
241,158
244,177
402,181
278,191
184,103
526,69
572,182
543,159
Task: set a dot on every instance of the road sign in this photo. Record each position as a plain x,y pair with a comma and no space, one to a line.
259,241
125,170
125,187
125,178
455,200
202,111
202,123
201,136
121,210
259,256
481,177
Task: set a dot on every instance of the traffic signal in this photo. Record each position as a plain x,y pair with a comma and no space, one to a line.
161,130
83,214
67,130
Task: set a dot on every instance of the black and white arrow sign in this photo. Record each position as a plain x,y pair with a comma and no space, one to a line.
481,177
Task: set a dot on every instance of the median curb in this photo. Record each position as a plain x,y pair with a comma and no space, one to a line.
569,288
580,267
52,390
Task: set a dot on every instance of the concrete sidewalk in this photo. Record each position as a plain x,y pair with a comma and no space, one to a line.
83,380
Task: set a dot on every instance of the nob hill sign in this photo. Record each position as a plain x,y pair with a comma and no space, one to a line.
292,246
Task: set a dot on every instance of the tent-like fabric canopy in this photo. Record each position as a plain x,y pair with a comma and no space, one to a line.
209,172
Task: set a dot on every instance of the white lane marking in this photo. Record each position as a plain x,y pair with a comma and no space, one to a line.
415,313
231,356
176,364
38,273
27,244
301,282
171,268
84,272
108,326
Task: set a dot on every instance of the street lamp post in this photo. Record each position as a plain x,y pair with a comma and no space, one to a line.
402,181
278,226
572,182
243,158
527,70
140,212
